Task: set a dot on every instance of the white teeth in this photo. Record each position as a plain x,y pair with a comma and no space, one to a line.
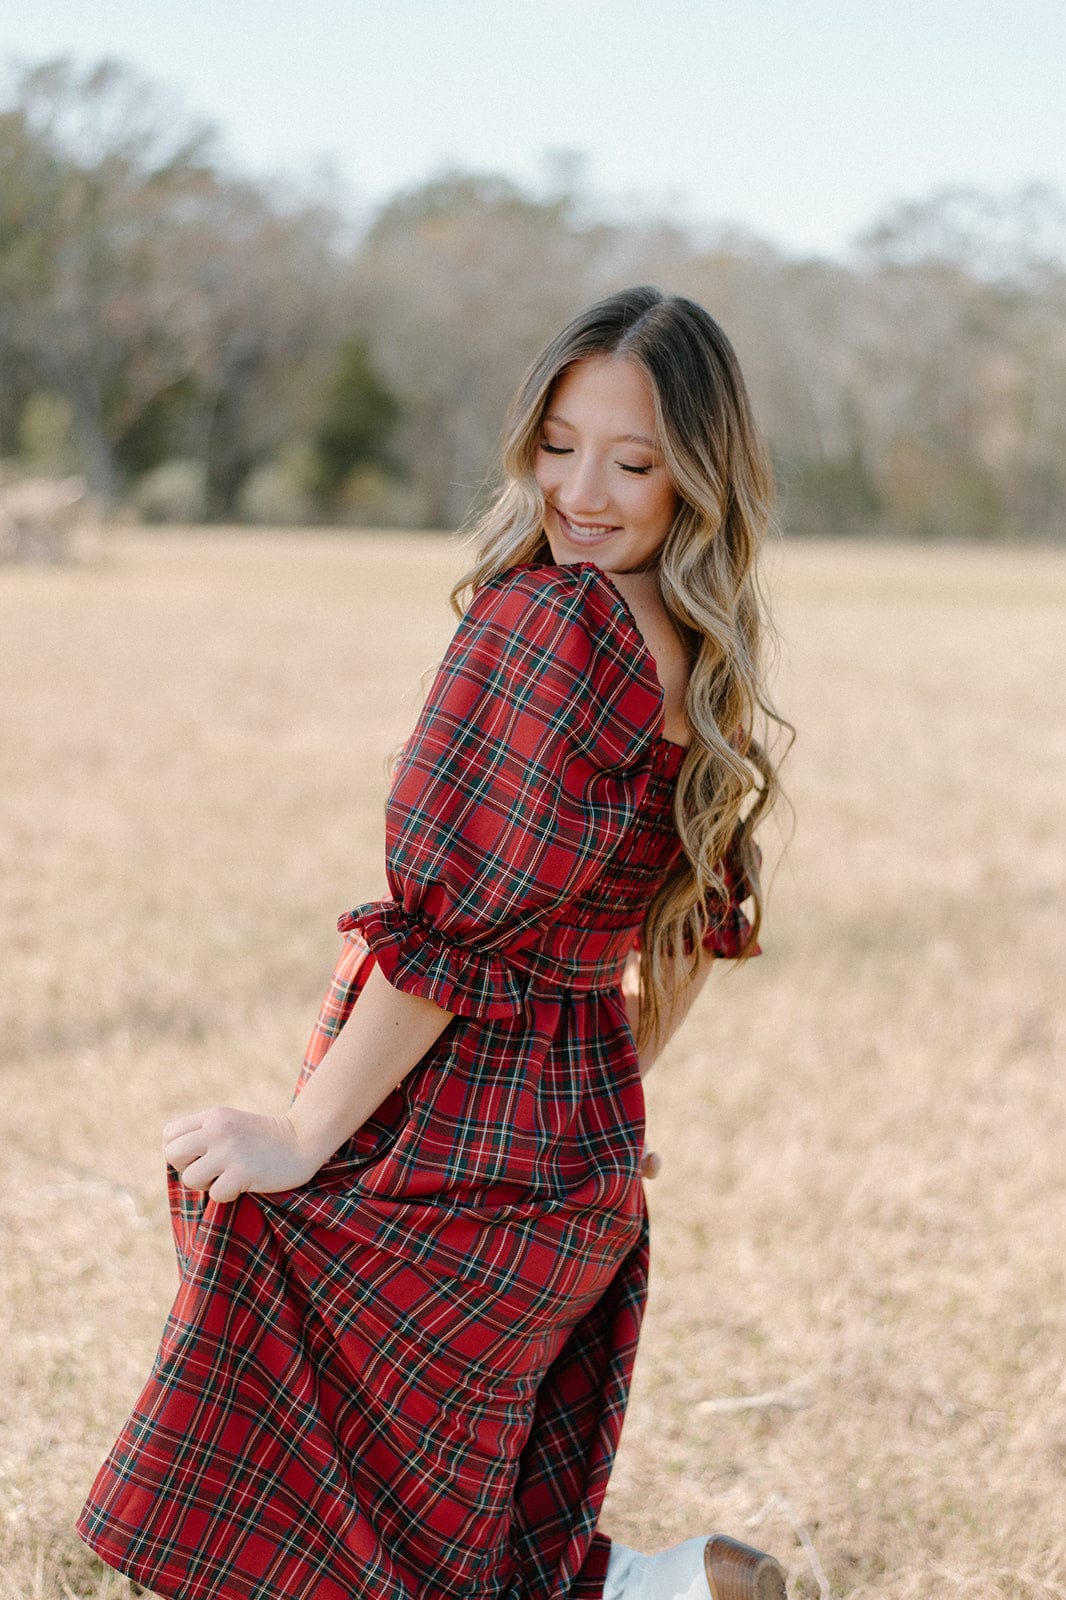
589,527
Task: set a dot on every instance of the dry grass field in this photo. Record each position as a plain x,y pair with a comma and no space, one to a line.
855,1350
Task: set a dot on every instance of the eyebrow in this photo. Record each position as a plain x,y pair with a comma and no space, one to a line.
622,438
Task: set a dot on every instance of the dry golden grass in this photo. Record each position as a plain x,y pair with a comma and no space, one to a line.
862,1211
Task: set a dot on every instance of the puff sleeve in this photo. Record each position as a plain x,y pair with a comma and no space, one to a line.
527,764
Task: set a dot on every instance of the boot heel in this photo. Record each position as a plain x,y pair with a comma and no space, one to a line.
737,1572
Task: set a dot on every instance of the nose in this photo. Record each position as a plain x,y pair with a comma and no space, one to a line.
583,492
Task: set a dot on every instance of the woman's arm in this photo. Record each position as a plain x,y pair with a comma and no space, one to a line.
228,1152
649,1052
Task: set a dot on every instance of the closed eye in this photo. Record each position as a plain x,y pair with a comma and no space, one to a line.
562,450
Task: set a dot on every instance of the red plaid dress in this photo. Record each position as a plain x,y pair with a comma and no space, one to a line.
408,1378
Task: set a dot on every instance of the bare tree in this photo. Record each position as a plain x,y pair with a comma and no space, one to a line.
93,184
134,274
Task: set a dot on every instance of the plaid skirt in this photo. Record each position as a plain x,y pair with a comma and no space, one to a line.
394,1383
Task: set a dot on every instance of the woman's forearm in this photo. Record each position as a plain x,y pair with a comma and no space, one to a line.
386,1035
227,1152
649,1050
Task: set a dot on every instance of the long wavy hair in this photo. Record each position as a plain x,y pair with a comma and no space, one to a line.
709,582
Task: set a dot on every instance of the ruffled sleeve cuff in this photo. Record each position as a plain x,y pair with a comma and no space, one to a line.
729,936
730,932
417,959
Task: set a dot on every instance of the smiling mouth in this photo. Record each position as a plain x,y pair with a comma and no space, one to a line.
585,532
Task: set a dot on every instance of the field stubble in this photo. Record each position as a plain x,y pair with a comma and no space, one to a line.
855,1350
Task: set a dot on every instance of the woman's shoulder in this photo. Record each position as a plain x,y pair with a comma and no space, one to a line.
565,632
578,593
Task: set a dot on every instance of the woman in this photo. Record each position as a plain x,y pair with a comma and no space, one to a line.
400,1354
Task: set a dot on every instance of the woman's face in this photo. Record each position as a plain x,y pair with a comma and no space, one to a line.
608,496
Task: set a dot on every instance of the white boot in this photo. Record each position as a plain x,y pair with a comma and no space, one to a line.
674,1574
718,1568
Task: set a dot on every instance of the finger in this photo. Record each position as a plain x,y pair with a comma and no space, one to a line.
202,1173
179,1152
650,1164
226,1187
179,1125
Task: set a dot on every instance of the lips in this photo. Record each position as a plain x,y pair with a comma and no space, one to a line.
585,533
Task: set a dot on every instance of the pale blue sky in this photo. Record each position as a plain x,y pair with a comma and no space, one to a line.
800,120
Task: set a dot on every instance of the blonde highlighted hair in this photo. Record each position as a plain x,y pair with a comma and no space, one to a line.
708,578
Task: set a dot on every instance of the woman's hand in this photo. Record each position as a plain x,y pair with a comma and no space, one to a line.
230,1152
649,1163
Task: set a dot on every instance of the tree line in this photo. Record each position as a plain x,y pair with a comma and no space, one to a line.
204,346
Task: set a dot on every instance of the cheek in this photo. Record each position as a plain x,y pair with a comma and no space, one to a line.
660,507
